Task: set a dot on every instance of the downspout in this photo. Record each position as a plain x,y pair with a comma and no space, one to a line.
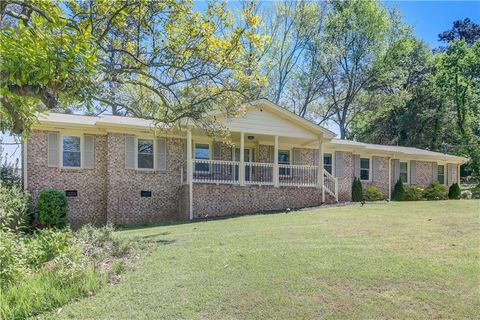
390,179
24,164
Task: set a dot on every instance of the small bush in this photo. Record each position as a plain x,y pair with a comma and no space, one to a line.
454,191
357,190
52,208
436,191
413,193
466,195
398,191
14,209
371,193
13,266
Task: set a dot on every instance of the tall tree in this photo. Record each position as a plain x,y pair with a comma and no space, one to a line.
355,36
465,30
61,53
458,75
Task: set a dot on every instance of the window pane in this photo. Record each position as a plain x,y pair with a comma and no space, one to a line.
202,151
441,169
71,159
71,143
404,176
403,168
145,161
327,158
441,179
364,175
364,163
284,156
145,146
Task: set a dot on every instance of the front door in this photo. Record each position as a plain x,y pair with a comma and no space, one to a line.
247,157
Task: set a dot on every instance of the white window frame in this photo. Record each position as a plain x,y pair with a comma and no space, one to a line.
210,154
444,173
369,168
408,170
333,162
154,153
61,151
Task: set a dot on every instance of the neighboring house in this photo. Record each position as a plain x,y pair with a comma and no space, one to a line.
124,171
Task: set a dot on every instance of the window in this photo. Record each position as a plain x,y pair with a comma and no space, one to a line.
404,171
441,174
364,169
328,162
202,152
284,158
145,154
71,151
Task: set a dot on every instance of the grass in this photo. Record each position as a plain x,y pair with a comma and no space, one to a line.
396,260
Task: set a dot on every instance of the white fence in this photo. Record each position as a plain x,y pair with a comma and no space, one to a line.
258,173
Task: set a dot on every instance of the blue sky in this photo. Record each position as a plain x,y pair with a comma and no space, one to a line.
428,18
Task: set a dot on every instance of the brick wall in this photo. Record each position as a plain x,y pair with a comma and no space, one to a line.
90,204
225,200
124,205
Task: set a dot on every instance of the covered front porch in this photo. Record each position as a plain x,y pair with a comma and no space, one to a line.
252,159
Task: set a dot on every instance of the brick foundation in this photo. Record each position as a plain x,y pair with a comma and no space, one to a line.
225,200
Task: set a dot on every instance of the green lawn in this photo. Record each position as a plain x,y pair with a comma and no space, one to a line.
396,260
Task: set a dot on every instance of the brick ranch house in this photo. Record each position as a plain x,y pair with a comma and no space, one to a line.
124,171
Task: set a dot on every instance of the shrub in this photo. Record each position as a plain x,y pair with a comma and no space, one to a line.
476,192
436,191
413,193
466,195
454,191
52,208
398,191
14,209
12,259
357,190
371,193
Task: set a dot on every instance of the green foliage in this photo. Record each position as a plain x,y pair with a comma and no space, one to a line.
476,192
52,208
466,194
46,269
371,193
14,209
435,191
398,191
454,191
357,190
413,193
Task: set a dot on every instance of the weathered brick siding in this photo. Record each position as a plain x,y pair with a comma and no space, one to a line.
226,200
380,177
109,192
125,206
90,205
424,175
346,180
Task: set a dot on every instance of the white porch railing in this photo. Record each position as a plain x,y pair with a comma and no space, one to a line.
258,173
215,171
297,175
330,183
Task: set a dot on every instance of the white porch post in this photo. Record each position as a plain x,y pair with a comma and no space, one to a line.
190,173
321,175
241,170
458,173
276,180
